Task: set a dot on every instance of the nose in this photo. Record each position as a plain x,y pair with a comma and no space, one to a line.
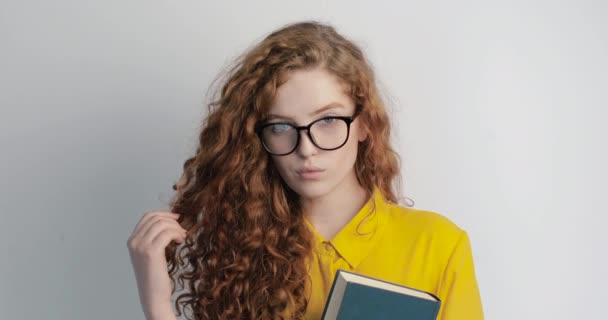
306,147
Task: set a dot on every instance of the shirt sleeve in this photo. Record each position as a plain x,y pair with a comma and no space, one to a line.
458,291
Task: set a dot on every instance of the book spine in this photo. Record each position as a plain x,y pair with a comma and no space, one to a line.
329,295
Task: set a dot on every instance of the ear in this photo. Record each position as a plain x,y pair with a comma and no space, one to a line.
362,135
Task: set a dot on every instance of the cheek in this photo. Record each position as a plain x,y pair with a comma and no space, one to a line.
281,165
355,135
353,147
344,158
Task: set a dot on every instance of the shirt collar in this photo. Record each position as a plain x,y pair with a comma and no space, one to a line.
356,239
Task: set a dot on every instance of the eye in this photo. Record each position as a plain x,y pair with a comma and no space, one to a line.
280,128
328,120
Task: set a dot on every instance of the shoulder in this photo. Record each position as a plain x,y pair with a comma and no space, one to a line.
426,225
421,220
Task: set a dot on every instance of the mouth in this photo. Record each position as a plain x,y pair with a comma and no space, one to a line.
310,173
309,170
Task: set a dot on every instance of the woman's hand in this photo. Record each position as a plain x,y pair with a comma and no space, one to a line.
147,244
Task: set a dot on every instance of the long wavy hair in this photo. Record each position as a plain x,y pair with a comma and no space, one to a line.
245,256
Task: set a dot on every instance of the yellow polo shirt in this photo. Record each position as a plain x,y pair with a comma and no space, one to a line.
411,247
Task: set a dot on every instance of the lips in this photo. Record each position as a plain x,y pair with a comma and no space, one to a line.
310,173
309,169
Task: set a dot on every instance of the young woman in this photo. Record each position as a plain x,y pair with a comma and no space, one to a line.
292,180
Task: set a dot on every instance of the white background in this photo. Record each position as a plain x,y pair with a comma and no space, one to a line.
498,110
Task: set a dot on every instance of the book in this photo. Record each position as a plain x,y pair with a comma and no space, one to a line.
354,296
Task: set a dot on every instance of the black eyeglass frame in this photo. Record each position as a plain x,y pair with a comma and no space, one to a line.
348,119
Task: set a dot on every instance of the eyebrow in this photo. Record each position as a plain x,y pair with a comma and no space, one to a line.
332,105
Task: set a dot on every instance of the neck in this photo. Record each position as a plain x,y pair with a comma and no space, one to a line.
332,211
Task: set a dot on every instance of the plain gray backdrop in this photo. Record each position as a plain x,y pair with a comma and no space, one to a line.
499,112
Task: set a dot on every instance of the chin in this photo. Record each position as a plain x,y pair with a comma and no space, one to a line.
310,189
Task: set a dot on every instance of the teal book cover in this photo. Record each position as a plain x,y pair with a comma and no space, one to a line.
355,297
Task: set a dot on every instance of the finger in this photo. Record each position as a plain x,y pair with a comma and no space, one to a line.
157,226
148,216
162,239
146,226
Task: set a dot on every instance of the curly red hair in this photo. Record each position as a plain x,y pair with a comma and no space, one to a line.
247,246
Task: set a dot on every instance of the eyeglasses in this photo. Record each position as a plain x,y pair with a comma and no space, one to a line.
327,133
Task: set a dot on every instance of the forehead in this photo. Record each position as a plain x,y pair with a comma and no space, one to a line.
306,91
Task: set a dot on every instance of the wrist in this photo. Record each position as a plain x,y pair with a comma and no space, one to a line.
161,313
